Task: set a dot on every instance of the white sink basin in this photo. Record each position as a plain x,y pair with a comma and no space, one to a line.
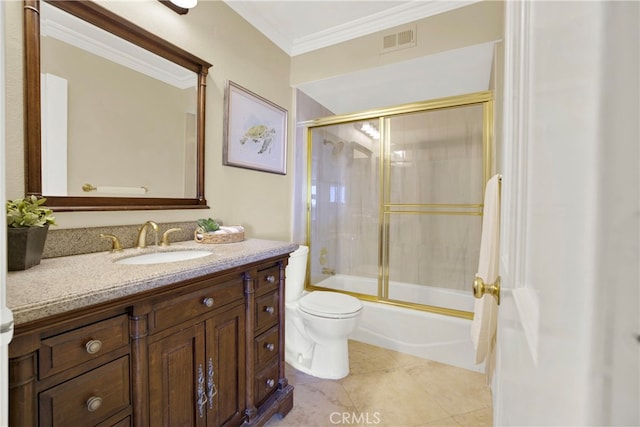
163,257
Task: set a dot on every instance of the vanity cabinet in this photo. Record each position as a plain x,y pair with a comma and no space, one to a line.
207,351
197,366
76,372
266,334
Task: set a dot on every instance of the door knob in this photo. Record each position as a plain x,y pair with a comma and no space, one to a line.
480,288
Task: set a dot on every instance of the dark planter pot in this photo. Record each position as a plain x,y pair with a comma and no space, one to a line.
25,246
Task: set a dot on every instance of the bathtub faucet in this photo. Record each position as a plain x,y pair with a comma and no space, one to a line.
329,271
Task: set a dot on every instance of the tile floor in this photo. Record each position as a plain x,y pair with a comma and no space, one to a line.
387,388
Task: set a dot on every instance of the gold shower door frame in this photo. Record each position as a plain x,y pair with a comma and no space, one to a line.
387,209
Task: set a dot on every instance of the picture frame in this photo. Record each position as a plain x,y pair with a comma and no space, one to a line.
255,131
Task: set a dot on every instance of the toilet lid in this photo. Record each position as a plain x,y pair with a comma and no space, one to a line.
329,304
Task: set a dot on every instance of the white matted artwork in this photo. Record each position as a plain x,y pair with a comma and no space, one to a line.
255,131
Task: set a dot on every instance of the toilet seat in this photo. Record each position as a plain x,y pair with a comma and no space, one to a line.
331,305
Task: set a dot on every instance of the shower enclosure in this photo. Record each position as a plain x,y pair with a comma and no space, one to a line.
395,200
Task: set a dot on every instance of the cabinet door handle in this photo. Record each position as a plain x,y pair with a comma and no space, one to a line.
269,309
201,398
271,278
208,302
94,403
211,386
93,346
271,382
269,346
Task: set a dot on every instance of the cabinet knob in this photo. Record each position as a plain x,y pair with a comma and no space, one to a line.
94,403
271,382
269,346
93,346
269,309
271,278
208,302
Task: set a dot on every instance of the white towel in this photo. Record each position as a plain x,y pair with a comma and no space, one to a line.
483,327
120,190
229,229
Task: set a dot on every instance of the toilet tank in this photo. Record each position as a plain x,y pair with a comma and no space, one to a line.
296,273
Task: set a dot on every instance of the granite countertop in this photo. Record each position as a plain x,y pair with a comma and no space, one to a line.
62,284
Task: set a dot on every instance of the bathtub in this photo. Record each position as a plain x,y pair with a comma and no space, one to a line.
432,336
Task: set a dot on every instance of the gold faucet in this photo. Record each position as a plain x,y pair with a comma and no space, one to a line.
141,240
116,246
165,236
329,271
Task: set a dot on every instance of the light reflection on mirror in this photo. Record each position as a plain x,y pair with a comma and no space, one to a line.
114,115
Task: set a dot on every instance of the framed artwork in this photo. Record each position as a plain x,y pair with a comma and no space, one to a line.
255,131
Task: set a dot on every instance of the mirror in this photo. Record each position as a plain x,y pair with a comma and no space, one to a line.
114,115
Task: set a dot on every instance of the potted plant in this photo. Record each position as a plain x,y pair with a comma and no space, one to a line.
209,231
28,222
208,225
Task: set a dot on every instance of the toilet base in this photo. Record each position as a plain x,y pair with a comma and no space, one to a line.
328,361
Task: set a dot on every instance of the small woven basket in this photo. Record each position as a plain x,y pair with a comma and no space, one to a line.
217,238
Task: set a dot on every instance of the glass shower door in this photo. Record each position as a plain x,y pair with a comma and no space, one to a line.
395,200
344,208
433,205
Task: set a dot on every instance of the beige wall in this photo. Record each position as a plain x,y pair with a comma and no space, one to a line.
259,201
132,121
475,24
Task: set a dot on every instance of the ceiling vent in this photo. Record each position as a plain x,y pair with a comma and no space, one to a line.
400,39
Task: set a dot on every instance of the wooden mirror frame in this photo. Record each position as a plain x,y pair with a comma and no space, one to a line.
102,18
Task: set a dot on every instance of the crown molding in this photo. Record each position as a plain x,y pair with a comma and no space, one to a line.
401,14
398,15
252,13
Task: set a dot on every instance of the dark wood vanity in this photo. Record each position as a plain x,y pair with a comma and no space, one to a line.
207,351
97,344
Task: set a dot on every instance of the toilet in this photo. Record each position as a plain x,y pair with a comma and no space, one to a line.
317,324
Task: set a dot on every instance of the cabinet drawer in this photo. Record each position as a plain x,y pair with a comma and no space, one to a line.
89,398
72,348
267,310
266,347
268,279
185,307
125,422
266,382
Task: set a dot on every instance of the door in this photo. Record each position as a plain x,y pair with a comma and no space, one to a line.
177,384
226,368
567,351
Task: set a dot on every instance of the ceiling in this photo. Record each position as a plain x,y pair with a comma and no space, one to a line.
301,26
